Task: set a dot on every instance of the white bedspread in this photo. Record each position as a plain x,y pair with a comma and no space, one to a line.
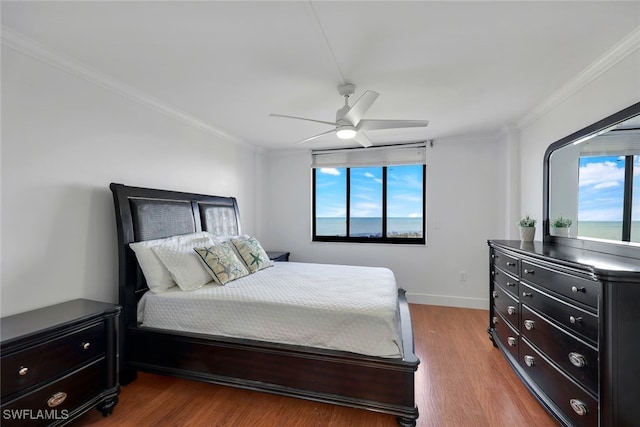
335,307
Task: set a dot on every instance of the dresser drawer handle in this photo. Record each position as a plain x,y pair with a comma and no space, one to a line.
576,289
529,360
527,294
578,360
579,407
510,284
495,320
511,310
511,264
86,345
23,371
511,341
575,320
495,256
529,325
527,271
495,294
56,399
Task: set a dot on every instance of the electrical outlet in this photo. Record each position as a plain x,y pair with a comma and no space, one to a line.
463,276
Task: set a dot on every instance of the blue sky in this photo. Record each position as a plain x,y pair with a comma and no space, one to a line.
404,188
601,182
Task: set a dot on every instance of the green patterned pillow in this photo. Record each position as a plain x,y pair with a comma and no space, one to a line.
252,253
221,263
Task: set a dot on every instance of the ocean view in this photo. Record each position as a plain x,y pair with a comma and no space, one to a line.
610,230
370,227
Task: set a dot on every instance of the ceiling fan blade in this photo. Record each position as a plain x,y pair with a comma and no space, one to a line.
362,139
360,107
316,136
302,118
390,124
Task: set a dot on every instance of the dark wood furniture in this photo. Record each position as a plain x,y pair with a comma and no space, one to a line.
568,322
378,384
59,362
278,256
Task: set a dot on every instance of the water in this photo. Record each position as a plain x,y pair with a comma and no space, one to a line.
370,227
610,230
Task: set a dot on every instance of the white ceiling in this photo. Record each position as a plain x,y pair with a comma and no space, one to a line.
470,68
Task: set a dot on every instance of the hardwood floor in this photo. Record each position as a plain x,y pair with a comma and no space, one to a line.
462,381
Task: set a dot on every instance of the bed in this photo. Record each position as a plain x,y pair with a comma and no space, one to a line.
379,380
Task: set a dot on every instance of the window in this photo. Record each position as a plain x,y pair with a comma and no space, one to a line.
609,197
354,201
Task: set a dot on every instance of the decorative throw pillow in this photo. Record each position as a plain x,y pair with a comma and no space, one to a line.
155,273
222,263
183,263
252,253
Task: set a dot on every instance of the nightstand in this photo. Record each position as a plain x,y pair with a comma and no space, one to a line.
278,256
58,362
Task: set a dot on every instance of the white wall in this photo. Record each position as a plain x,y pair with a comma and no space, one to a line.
615,89
63,141
464,197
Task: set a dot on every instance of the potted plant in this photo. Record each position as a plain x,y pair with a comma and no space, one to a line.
560,226
527,228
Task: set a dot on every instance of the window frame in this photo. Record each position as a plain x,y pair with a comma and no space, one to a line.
384,239
627,193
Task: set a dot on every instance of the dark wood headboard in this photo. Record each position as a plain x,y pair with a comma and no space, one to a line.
147,214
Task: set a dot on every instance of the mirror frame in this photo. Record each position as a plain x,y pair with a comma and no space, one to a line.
616,248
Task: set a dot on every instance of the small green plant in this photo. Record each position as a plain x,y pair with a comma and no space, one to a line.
561,222
527,221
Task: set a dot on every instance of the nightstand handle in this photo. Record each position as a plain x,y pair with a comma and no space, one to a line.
23,371
56,399
86,345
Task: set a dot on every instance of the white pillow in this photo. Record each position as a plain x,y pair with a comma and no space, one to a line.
157,275
183,263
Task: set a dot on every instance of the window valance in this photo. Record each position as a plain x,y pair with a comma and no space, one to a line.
404,154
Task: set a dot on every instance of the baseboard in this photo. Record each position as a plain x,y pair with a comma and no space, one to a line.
448,301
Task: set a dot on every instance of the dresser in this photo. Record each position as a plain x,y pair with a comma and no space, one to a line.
59,362
568,322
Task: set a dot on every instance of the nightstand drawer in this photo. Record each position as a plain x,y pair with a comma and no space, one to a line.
35,364
56,401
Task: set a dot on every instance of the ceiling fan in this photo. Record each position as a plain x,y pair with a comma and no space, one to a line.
349,123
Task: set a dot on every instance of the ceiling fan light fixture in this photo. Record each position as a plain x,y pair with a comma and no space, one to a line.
346,132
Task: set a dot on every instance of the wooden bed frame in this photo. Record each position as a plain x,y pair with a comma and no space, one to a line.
343,378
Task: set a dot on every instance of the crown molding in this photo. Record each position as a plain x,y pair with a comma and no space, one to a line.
18,42
617,53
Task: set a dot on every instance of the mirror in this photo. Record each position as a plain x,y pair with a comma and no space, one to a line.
592,184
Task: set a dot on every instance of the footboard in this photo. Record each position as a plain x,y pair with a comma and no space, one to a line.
373,383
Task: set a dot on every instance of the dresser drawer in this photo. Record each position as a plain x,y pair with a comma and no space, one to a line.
576,288
573,355
38,363
507,335
577,404
506,305
56,400
506,262
578,321
506,281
